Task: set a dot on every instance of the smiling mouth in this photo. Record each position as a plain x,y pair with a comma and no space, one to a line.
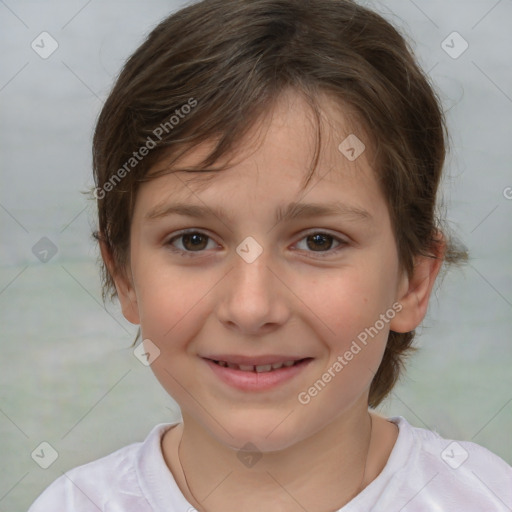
263,368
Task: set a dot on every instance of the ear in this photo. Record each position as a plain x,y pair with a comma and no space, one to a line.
414,291
124,286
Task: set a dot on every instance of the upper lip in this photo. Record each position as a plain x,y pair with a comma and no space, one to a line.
253,360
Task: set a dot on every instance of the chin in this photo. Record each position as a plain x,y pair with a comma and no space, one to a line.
267,431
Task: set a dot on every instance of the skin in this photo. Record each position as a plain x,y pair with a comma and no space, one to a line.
292,299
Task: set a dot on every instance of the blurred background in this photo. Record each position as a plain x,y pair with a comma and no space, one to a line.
68,374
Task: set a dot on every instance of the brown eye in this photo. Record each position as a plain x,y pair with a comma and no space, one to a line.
190,242
319,241
194,241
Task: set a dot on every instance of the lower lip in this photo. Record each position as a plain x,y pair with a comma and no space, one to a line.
254,381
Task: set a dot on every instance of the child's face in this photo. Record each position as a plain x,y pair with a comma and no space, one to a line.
302,297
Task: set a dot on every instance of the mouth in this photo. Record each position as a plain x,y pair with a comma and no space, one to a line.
256,374
260,368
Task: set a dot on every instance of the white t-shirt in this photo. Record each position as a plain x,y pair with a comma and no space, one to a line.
424,473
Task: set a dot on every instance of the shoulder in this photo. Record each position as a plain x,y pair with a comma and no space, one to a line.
432,470
109,483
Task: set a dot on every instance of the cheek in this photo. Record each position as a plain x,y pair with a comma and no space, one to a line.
349,300
166,293
353,308
355,316
174,305
174,309
171,309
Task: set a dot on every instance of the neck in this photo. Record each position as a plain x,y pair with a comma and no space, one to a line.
320,473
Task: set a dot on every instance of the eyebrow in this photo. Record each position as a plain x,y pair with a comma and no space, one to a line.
290,212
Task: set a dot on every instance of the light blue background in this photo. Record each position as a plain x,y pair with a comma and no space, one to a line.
68,375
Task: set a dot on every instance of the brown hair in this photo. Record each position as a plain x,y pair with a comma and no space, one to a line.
211,70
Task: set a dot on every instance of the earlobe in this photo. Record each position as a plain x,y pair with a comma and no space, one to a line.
414,291
124,286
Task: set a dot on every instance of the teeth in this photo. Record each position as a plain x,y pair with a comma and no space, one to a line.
259,369
263,368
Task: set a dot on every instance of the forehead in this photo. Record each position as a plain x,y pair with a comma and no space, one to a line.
277,155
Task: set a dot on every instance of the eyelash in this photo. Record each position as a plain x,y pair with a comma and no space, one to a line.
322,254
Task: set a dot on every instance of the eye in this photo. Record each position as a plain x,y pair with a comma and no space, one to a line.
191,241
194,241
318,241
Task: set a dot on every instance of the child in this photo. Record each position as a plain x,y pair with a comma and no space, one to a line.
266,179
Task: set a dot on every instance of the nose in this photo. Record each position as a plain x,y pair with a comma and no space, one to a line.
252,299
